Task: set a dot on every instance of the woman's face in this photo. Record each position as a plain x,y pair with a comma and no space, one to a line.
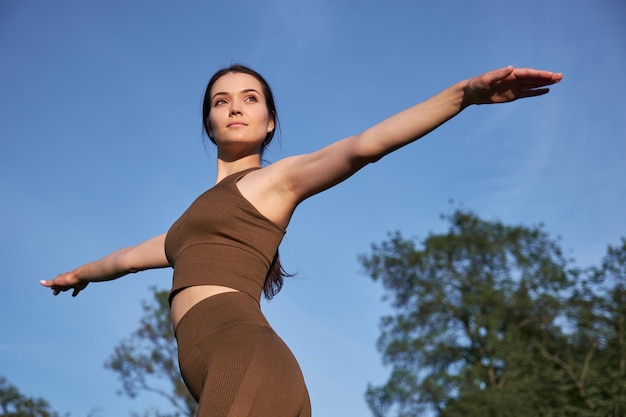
238,112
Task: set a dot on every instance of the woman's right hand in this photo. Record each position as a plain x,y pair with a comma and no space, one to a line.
65,282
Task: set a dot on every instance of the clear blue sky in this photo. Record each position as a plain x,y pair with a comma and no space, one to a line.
101,147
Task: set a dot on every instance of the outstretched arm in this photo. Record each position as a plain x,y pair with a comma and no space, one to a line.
147,255
309,174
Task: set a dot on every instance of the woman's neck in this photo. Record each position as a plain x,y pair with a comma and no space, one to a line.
226,167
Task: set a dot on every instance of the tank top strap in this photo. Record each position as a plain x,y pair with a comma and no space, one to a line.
234,178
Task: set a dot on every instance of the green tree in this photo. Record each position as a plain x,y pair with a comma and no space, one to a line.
596,357
613,271
493,320
147,360
15,404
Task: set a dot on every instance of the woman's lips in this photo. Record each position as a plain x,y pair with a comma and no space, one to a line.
236,124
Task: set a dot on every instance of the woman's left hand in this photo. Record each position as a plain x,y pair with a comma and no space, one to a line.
508,84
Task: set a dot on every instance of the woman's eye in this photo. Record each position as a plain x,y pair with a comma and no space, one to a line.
251,98
218,102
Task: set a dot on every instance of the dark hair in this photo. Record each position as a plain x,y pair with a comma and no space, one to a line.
267,92
274,279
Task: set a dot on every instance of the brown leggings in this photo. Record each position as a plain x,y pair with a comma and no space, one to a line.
235,365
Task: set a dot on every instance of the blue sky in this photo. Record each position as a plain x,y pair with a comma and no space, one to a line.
101,147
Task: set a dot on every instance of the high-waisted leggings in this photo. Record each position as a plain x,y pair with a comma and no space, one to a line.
235,365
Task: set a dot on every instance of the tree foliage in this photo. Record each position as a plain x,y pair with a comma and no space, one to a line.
15,404
492,320
147,360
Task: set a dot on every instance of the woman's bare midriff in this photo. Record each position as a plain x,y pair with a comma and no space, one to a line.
185,299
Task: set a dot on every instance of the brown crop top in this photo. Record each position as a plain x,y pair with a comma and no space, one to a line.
222,239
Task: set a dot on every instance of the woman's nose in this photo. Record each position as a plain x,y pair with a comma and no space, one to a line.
235,107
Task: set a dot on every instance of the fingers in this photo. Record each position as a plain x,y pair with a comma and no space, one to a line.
534,93
50,284
508,84
527,77
59,287
495,76
531,78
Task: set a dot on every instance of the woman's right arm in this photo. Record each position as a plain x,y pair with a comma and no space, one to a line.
146,255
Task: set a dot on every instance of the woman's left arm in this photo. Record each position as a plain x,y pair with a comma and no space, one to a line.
312,173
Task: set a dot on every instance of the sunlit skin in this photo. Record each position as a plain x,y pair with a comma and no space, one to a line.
239,119
238,123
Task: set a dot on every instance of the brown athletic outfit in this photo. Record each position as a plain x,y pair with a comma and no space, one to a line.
231,360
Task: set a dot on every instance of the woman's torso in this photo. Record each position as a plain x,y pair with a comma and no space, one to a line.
222,243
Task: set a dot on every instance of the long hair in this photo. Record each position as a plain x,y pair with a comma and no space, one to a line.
274,279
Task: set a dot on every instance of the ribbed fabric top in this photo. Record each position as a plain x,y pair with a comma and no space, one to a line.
222,239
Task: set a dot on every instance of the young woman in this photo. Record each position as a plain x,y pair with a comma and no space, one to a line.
224,248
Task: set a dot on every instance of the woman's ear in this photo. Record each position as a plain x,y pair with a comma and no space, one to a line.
271,126
207,127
